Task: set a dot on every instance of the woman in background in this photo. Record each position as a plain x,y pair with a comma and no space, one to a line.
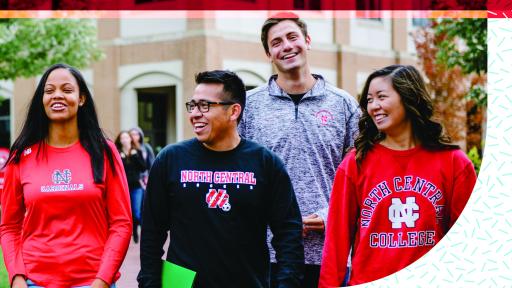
402,188
147,153
134,165
66,218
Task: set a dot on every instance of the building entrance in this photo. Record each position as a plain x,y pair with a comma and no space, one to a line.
157,115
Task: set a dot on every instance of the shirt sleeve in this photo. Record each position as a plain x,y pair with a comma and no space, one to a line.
352,125
464,182
119,219
151,156
322,213
155,225
286,226
343,210
13,213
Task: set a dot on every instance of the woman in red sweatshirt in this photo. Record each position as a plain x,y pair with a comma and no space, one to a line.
398,193
66,219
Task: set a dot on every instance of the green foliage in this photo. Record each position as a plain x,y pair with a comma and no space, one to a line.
464,44
478,94
476,158
4,278
29,46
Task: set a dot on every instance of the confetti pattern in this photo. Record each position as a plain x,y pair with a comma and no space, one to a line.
477,252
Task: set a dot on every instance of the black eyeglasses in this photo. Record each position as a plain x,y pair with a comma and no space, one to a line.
203,105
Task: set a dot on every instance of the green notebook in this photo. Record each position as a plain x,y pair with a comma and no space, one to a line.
175,276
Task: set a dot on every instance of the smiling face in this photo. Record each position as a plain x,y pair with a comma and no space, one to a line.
287,46
61,98
214,126
126,140
386,109
135,135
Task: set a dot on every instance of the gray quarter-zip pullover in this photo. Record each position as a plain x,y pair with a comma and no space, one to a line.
311,138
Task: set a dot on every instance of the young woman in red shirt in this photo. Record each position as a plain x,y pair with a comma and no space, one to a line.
399,192
66,219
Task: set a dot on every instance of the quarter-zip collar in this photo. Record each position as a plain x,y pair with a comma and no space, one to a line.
316,90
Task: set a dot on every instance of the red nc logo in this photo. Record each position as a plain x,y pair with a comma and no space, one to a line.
324,117
218,198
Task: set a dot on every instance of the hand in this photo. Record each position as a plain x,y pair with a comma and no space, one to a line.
19,282
312,222
98,283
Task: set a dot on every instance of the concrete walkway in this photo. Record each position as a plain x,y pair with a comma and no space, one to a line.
130,268
131,265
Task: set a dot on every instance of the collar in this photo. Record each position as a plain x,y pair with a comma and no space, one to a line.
316,90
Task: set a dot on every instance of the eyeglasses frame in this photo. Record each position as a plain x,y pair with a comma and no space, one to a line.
196,104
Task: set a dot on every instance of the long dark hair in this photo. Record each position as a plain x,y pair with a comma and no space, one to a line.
35,128
419,109
118,143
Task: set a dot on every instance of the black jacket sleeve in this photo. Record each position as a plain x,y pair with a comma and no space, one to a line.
155,225
286,226
150,158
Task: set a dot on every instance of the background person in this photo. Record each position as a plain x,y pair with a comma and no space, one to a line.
402,188
134,165
66,218
147,153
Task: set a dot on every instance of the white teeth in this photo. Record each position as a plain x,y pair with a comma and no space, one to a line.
380,117
199,125
57,106
289,56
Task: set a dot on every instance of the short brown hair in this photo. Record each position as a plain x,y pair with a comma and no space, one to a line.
275,19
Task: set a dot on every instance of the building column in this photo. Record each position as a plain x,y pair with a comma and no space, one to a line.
207,56
107,95
22,94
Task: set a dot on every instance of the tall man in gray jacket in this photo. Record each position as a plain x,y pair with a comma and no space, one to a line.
308,122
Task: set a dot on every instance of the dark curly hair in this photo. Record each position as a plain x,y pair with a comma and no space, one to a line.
419,109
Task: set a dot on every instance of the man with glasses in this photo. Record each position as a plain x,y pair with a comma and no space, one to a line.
306,121
216,195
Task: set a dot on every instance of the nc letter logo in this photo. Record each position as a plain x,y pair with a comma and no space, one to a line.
403,213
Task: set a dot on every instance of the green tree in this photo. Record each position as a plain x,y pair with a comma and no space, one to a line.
29,46
453,55
464,44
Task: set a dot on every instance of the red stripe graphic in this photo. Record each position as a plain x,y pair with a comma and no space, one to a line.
217,198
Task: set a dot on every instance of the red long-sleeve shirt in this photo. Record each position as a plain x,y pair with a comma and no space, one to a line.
59,228
392,210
